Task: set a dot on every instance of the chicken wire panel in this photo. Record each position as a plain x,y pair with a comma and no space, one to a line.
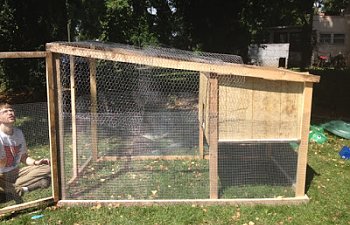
141,112
257,170
33,115
259,123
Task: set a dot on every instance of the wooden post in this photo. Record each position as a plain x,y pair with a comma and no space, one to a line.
60,126
74,124
304,133
51,102
213,135
93,110
201,141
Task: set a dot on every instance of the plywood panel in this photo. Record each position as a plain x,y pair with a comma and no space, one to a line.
252,109
203,108
291,109
266,113
235,108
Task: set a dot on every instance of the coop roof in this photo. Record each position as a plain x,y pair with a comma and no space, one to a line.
221,64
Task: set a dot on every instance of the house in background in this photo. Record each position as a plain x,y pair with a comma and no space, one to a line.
282,47
332,36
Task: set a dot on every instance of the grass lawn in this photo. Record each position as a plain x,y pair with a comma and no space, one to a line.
328,191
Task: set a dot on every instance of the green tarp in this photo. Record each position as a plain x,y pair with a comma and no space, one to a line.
338,127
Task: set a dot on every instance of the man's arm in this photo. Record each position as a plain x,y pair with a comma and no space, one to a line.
32,162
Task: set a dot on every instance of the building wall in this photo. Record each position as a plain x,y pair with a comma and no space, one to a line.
269,54
331,25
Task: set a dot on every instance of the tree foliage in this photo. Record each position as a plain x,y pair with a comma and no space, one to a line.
333,7
221,26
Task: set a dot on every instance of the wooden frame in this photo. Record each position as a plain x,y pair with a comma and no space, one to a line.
209,114
51,111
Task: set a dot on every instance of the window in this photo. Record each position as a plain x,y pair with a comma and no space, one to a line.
338,38
280,37
325,38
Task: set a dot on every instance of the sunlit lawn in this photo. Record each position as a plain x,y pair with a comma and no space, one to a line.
328,192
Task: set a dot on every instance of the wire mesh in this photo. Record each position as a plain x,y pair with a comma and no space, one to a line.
144,123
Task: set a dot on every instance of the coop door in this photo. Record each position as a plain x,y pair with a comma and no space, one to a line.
25,72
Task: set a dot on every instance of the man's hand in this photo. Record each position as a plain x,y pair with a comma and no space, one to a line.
42,162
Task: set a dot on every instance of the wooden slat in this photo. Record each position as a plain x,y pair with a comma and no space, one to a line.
74,117
136,57
80,170
93,110
16,55
59,114
266,109
149,157
304,143
201,141
291,109
253,201
235,108
213,136
51,101
16,208
259,109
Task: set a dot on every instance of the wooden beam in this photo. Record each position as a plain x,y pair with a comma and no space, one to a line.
201,142
16,55
16,208
213,136
51,102
149,157
304,143
199,202
138,57
74,117
93,109
60,113
80,170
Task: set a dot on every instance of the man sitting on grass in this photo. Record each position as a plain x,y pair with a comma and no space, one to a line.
15,181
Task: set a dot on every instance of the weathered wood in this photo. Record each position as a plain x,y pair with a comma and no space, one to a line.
253,201
235,108
213,136
51,70
201,142
259,109
304,143
19,55
136,57
93,110
203,99
16,208
60,128
266,109
291,109
74,117
80,170
148,157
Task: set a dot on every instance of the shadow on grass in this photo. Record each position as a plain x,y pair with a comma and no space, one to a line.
310,174
257,170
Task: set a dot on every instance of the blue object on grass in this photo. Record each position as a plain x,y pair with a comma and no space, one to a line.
37,217
345,152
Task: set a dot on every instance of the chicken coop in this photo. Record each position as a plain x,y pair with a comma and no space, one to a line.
150,125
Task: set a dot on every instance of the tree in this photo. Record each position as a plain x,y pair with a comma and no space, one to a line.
28,25
332,7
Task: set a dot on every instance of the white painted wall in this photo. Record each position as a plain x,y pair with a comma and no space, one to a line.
269,54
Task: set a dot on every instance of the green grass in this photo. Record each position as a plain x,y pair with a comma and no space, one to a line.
328,191
37,152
